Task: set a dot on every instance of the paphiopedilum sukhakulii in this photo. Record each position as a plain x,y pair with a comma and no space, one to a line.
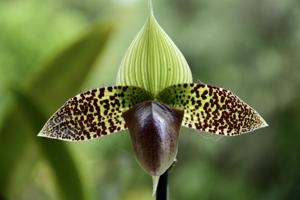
153,98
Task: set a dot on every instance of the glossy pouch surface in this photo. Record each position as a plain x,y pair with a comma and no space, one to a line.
154,130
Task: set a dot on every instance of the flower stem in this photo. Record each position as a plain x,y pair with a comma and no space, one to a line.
150,7
162,188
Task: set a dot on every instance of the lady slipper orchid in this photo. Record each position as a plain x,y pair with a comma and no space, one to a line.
153,98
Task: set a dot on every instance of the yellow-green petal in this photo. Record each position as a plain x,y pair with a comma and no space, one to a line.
94,113
153,61
212,109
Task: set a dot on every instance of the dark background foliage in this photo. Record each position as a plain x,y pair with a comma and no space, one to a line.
51,50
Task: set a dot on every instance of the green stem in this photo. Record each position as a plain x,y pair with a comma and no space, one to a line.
150,7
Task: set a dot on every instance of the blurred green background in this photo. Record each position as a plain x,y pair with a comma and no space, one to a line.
51,50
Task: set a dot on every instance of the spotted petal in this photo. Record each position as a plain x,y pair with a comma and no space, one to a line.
93,113
212,109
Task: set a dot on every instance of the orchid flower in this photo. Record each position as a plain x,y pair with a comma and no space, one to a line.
153,98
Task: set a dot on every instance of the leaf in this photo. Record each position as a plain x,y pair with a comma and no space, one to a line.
62,76
94,113
57,154
153,61
211,109
14,140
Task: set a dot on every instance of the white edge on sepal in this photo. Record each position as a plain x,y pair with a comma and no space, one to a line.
155,180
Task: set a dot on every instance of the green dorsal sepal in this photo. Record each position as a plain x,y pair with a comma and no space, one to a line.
212,109
153,61
93,113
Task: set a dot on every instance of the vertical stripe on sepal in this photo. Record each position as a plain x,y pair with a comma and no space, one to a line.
153,61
